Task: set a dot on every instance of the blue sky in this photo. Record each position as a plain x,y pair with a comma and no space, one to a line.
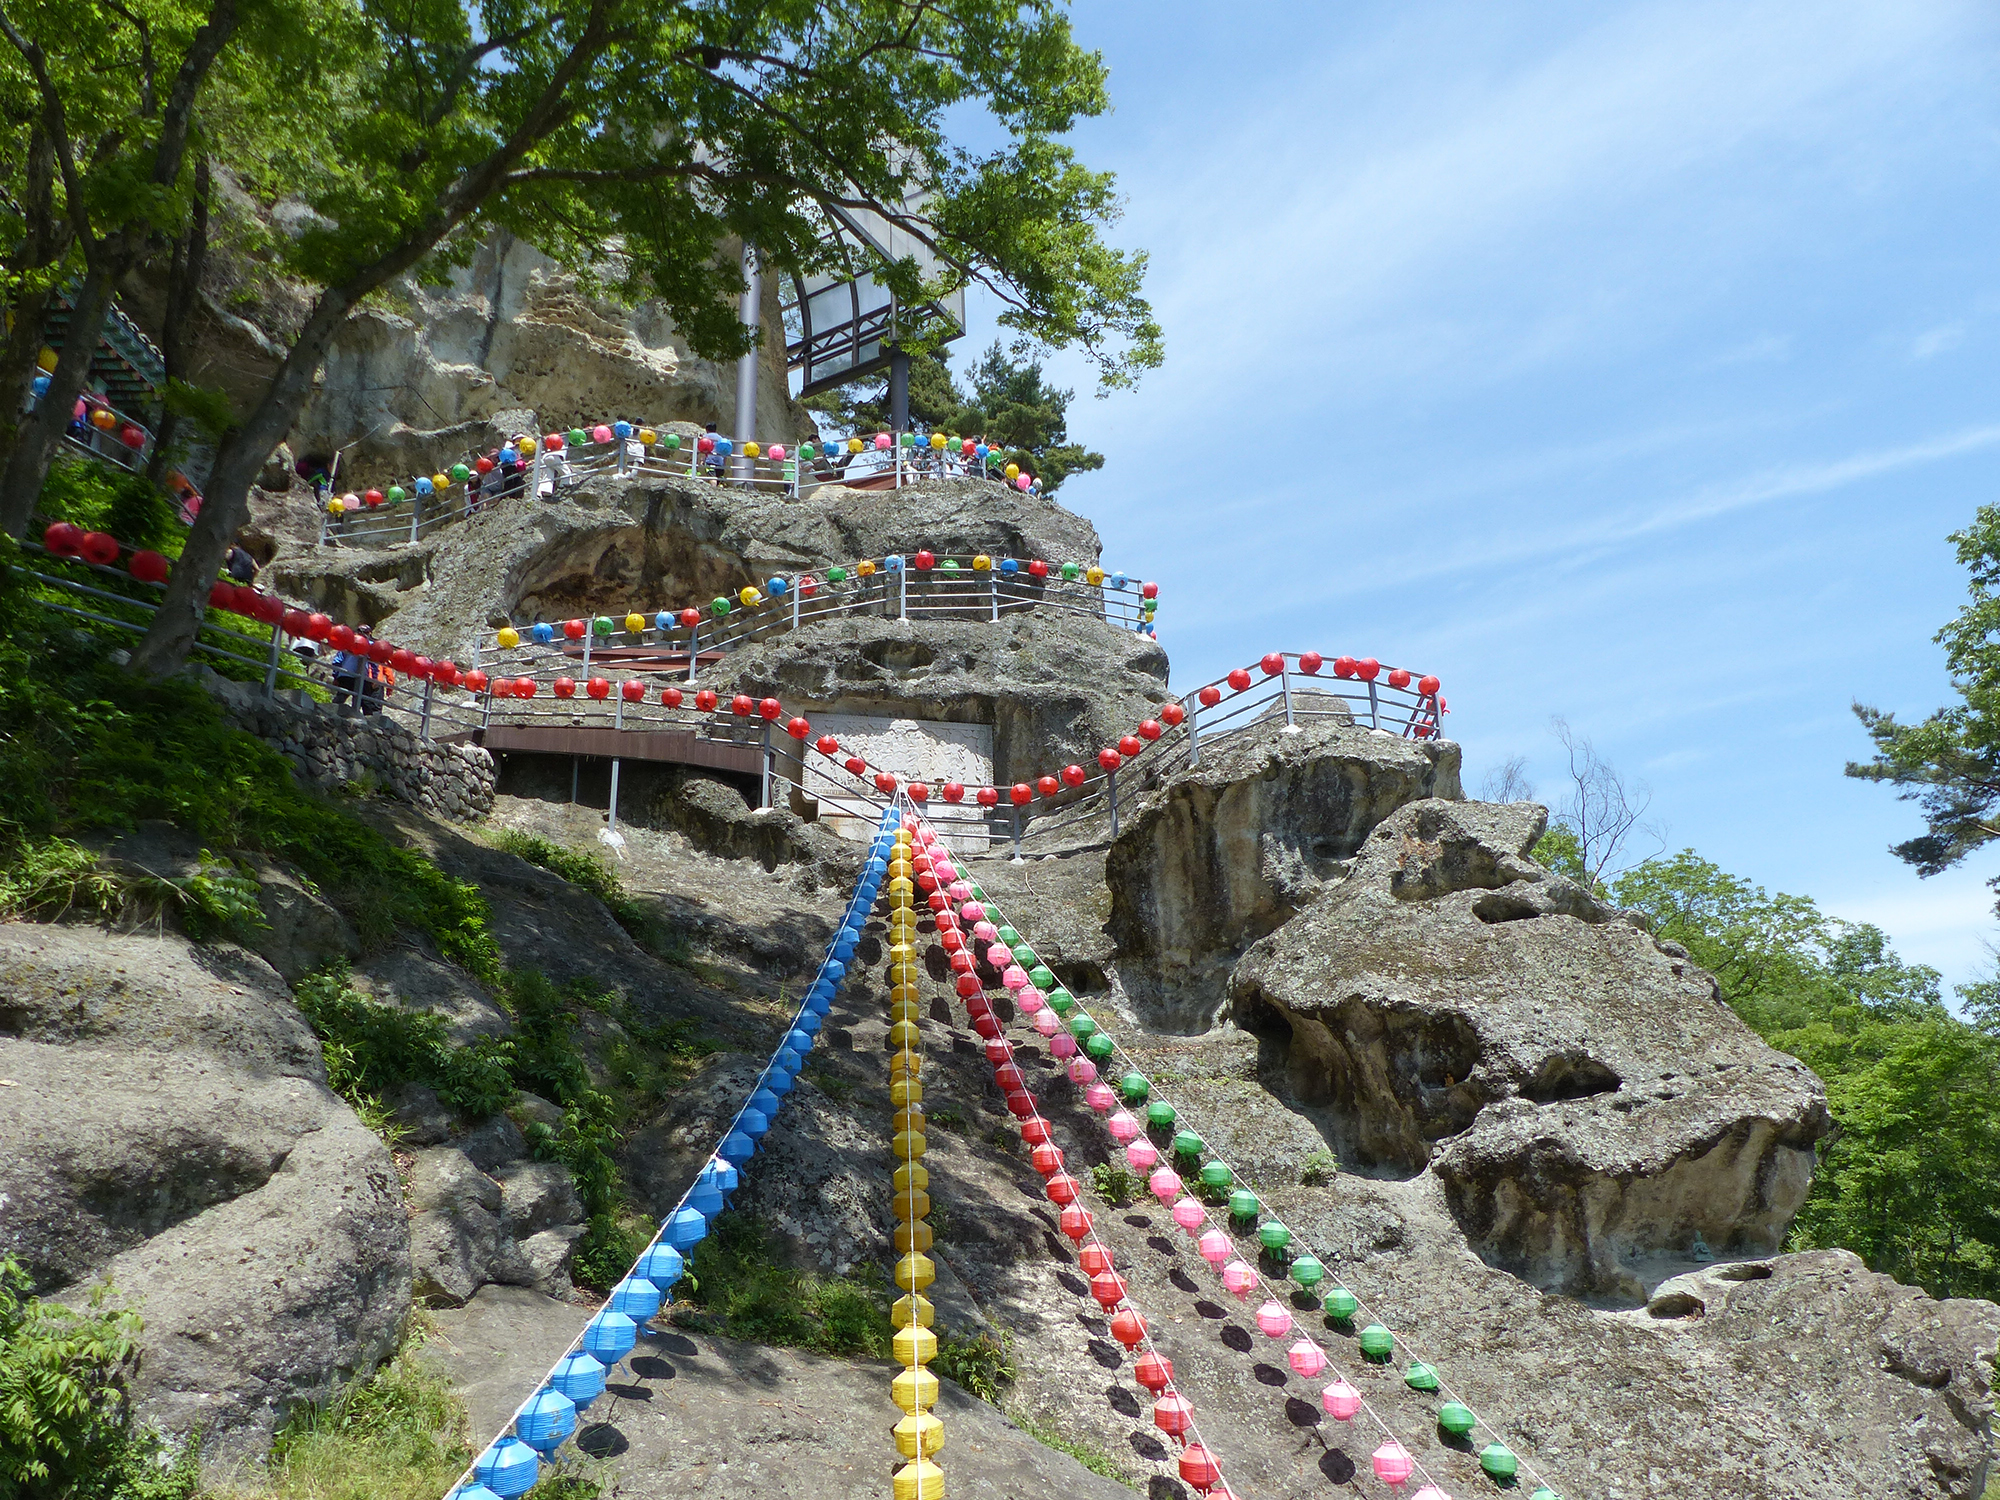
1628,363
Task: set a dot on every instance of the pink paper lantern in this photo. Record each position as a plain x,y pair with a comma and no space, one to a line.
1046,1023
1022,481
777,453
1030,1000
982,929
1274,1320
1214,1247
1190,1215
961,890
1062,1044
1141,1154
1166,1185
974,911
1099,1097
881,442
1306,1358
998,954
1015,977
1392,1464
1239,1277
1082,1070
1123,1127
1430,1492
600,434
1341,1401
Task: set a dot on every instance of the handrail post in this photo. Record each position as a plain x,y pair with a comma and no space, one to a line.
794,591
429,685
1374,706
1285,681
416,514
1111,790
325,519
486,708
589,628
764,790
694,648
271,668
993,591
1194,744
903,592
1017,834
617,722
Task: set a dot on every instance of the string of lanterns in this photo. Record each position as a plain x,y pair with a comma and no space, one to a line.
1074,1034
920,1433
510,1465
1173,1414
603,434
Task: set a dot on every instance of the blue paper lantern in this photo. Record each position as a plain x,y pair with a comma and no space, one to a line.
764,1100
705,1198
663,621
544,633
662,1265
684,1228
39,385
1009,566
779,1081
546,1420
754,1123
622,429
980,451
609,1337
738,1147
510,454
509,1467
776,588
580,1377
424,486
1119,580
818,1005
726,1177
472,1492
724,447
635,1297
799,1041
835,970
809,1022
893,563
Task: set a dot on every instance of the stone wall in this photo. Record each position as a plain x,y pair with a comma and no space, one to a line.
329,750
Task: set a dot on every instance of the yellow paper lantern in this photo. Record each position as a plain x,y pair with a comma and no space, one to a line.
910,1175
1093,575
103,418
905,1064
751,450
907,1145
1013,471
854,445
919,1436
910,1117
919,1480
904,990
914,1390
46,361
864,569
906,1010
903,974
914,1272
635,623
915,1236
441,481
527,447
937,440
914,1346
905,891
750,597
912,1309
982,563
508,638
648,436
906,1091
915,1204
903,1034
336,506
900,867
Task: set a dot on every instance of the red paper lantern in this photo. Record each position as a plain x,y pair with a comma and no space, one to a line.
1074,776
690,618
371,498
1273,663
1239,679
855,765
1019,1104
598,688
705,700
574,629
827,745
770,708
422,667
1428,686
1344,666
1399,678
1198,1469
1149,729
1172,1414
1075,1222
937,901
1129,1328
340,637
1038,569
1048,786
1047,1158
1108,1287
925,561
1110,759
742,705
475,681
1153,1371
920,792
553,443
148,567
798,729
1310,662
99,548
1367,668
1210,696
885,783
1035,1131
524,687
220,595
989,796
672,697
1021,794
954,791
808,585
633,689
1129,746
1171,714
295,622
447,672
1012,1080
402,658
1149,591
270,609
318,627
132,437
999,1050
63,539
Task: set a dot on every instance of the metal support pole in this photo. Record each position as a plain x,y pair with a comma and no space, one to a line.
1285,681
1111,790
589,628
271,668
416,515
903,592
1017,835
430,684
694,648
575,775
746,365
486,708
795,601
1194,744
617,722
325,517
764,791
993,592
1374,707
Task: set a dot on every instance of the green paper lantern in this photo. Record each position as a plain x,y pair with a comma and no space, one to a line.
1341,1304
397,494
909,440
1100,1046
1081,1026
1455,1418
1545,1493
1377,1342
978,892
948,566
1070,572
1041,978
1420,1377
602,625
1272,1235
459,473
1062,1002
578,437
1188,1143
836,575
1133,1085
1215,1174
807,450
1010,937
1025,957
672,441
1159,1114
1243,1204
1308,1272
718,606
1498,1460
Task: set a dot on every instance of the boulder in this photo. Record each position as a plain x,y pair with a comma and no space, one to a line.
1586,1102
1228,849
458,1239
536,1195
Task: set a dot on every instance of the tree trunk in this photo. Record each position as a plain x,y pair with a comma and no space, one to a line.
34,449
183,291
48,239
225,503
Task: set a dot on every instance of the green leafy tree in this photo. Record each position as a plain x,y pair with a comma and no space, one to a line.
664,131
1907,1179
1949,763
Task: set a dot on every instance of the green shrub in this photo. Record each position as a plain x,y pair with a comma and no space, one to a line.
1319,1169
981,1363
749,1295
374,1048
1116,1185
586,868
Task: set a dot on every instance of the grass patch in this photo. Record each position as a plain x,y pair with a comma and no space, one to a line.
1319,1169
1094,1459
981,1363
399,1435
1116,1185
741,1290
948,1119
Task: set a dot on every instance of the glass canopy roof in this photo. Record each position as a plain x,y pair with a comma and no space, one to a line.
839,325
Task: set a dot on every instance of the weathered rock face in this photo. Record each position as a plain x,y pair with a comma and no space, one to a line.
169,1130
1228,849
1588,1104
